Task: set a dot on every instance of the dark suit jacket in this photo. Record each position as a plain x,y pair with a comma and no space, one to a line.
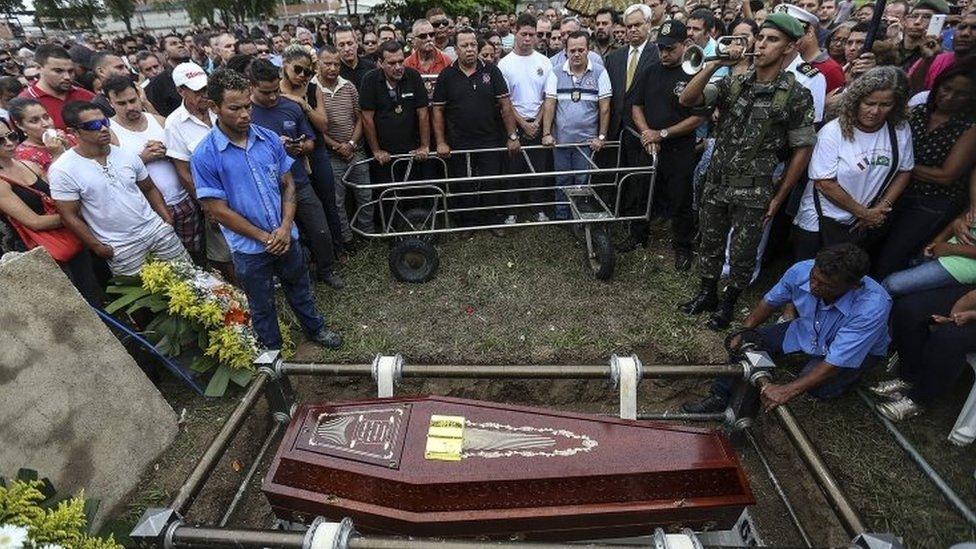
616,64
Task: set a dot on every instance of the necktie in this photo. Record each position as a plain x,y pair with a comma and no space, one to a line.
631,66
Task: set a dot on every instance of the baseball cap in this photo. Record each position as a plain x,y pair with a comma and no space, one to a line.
787,24
190,75
798,13
671,32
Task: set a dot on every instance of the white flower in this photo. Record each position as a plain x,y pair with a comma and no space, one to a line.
51,546
12,537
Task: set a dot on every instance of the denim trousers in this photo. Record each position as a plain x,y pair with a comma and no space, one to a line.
771,340
359,175
927,275
568,159
256,274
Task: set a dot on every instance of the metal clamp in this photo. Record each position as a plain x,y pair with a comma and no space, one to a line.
387,372
626,372
270,362
685,540
328,535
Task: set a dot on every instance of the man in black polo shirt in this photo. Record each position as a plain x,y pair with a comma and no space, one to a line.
353,67
666,126
394,104
472,110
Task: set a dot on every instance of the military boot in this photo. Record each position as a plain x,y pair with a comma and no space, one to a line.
706,300
721,318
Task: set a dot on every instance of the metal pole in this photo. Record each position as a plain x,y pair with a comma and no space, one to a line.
679,416
275,430
189,536
554,371
194,483
779,489
934,476
365,542
848,516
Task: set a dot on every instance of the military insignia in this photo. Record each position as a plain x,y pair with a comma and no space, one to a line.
808,70
539,71
576,96
486,78
679,87
665,28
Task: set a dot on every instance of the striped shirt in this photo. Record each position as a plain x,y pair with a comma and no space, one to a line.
341,109
577,101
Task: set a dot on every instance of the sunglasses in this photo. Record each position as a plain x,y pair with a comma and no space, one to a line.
8,138
543,34
94,125
424,36
439,24
302,71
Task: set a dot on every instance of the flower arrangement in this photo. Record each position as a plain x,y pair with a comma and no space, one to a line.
28,520
196,307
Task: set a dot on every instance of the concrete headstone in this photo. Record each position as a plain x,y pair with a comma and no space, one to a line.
73,403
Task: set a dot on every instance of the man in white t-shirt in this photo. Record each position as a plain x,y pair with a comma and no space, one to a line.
106,197
142,134
526,71
849,176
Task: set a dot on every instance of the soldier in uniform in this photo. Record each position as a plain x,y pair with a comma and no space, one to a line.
763,111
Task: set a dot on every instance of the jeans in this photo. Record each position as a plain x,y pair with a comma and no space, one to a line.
358,176
256,274
565,160
771,340
930,356
915,220
928,275
314,228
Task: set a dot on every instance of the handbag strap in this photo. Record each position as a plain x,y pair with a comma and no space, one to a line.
892,172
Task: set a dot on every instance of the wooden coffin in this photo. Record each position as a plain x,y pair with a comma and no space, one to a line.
521,472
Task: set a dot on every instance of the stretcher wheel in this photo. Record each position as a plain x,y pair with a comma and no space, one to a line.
413,260
599,256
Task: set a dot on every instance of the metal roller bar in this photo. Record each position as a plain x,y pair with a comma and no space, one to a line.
848,515
365,542
252,470
190,536
552,371
194,482
779,489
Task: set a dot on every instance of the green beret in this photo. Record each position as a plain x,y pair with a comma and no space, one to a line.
938,6
788,25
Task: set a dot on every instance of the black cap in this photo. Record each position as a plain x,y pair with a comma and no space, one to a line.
671,32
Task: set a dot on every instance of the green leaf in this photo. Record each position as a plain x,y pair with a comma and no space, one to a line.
125,280
152,302
130,295
241,377
26,475
91,507
202,364
218,383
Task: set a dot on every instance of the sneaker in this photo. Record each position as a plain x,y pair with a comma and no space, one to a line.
892,365
712,404
888,388
327,338
898,410
511,220
332,280
541,217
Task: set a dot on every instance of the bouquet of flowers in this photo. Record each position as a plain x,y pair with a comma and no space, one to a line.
195,307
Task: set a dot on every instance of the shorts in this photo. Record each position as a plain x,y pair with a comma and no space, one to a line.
161,243
188,223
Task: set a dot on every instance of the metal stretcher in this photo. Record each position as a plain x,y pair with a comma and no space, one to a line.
415,209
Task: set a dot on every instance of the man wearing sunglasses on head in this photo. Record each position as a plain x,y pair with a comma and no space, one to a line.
107,198
425,58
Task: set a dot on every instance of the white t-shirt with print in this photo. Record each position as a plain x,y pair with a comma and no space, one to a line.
860,167
112,204
526,78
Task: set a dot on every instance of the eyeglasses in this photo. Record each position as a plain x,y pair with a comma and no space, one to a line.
302,71
424,36
94,125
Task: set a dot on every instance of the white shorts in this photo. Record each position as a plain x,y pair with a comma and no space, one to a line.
162,243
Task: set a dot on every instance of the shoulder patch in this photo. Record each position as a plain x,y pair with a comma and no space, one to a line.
806,69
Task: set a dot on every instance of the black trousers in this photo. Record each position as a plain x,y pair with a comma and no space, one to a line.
515,164
931,356
673,191
634,191
916,219
488,163
323,183
806,244
406,199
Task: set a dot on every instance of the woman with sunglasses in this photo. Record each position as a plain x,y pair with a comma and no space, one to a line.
297,70
25,203
42,144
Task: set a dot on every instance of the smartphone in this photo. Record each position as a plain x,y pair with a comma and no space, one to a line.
935,25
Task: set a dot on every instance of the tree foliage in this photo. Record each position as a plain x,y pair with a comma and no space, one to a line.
123,10
10,6
80,11
413,9
229,10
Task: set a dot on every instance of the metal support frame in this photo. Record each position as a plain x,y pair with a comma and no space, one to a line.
626,374
278,390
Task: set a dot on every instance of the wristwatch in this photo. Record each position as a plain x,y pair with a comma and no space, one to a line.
601,137
513,136
664,133
353,143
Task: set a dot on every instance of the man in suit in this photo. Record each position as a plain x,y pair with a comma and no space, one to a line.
623,66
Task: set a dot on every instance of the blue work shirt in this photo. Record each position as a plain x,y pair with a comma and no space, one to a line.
844,332
286,118
247,179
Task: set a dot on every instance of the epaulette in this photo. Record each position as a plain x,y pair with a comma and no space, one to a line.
808,70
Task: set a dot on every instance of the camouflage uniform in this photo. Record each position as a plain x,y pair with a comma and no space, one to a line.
739,184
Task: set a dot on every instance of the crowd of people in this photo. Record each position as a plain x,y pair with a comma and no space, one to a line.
818,132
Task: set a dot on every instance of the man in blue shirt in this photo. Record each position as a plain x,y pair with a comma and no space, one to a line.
841,325
244,181
287,119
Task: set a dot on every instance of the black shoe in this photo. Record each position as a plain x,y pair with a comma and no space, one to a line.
332,280
682,260
327,338
721,318
351,247
706,300
712,404
630,245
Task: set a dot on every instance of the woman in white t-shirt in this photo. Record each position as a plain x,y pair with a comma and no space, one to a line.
853,180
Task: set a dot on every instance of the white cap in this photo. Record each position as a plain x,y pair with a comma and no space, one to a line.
798,13
189,75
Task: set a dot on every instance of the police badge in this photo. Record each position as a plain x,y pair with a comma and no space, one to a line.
576,96
665,29
486,78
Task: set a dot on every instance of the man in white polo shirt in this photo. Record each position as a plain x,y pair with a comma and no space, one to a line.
806,74
185,128
526,71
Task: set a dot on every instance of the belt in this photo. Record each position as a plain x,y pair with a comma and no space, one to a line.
746,180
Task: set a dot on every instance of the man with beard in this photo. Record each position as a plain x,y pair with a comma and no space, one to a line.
142,134
353,66
161,91
933,63
740,194
604,21
55,88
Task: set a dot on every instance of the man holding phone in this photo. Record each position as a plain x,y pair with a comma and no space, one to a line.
917,30
934,61
287,119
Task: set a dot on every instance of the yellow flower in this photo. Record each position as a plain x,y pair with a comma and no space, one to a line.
157,276
181,298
